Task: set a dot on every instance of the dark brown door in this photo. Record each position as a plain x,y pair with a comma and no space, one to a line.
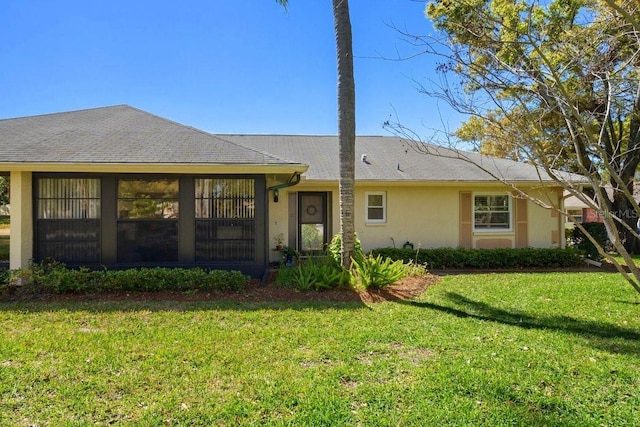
312,222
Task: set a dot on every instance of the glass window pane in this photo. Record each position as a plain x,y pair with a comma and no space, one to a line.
375,200
375,213
225,198
147,208
148,188
148,198
68,198
375,208
312,237
492,212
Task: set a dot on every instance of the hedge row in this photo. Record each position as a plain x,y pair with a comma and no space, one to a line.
442,258
57,278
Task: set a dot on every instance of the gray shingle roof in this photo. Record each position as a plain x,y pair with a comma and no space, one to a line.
392,159
125,135
118,134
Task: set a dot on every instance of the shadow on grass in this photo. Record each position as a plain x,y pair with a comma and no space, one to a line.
253,299
602,335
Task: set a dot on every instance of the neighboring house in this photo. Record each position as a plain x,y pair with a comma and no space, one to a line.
583,212
120,187
579,212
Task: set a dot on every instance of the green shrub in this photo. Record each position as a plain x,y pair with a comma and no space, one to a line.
334,250
580,241
4,276
443,258
376,272
313,274
304,277
57,278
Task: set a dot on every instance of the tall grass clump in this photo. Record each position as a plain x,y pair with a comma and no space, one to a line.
367,271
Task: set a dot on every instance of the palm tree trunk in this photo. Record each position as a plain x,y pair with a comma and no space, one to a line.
346,126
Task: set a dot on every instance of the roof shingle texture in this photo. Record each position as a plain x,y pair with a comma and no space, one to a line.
388,158
119,134
125,135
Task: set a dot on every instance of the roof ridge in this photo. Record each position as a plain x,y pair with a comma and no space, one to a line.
273,156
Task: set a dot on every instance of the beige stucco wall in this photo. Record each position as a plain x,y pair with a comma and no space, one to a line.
21,241
546,226
427,216
424,216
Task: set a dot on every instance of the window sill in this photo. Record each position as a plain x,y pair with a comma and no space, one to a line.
375,224
494,232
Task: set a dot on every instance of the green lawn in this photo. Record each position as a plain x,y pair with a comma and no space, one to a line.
542,349
4,221
636,259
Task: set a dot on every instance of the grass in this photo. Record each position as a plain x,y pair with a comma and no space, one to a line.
493,349
635,258
4,221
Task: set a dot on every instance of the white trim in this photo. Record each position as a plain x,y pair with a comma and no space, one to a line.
492,230
368,220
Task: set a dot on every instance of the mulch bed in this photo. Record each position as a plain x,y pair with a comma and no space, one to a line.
406,289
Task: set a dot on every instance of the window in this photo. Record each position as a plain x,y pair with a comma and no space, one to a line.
68,198
492,212
376,207
148,220
147,198
68,219
576,214
312,222
225,219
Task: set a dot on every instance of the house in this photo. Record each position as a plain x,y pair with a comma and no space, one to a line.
120,187
578,211
583,212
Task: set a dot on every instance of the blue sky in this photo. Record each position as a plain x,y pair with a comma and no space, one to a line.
239,66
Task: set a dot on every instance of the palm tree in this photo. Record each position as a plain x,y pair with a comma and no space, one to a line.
346,124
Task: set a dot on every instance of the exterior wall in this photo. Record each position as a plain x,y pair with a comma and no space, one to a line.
431,216
282,217
546,226
425,216
591,215
21,243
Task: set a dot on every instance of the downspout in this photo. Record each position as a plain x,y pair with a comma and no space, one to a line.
294,180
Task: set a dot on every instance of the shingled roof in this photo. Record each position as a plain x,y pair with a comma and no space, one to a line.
124,135
388,158
119,134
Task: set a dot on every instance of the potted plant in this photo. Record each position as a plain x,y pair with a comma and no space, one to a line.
289,255
278,240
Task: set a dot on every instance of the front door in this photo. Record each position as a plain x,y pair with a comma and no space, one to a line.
312,222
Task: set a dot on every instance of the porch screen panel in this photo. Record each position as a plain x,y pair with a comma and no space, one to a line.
68,220
147,224
225,219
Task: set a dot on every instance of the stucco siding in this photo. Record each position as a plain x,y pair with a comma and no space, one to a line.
21,243
424,216
545,225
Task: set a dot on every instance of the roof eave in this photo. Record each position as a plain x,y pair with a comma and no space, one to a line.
235,168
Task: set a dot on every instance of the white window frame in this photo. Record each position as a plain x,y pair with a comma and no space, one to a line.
383,207
493,230
579,218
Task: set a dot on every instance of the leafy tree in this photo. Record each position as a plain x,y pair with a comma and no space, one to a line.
346,124
555,83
